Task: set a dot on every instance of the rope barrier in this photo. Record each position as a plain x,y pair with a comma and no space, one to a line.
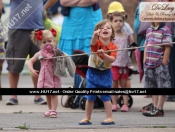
149,45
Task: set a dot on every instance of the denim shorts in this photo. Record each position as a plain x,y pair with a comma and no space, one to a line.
98,79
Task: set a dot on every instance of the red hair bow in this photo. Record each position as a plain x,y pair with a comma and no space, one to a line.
39,35
54,32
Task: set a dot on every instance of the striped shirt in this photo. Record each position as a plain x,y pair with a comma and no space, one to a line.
159,35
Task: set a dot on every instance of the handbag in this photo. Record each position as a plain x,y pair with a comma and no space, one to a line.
65,10
96,6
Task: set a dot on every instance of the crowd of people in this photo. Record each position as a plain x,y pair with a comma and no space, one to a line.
84,29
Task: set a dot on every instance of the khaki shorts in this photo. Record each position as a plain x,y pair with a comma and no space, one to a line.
19,46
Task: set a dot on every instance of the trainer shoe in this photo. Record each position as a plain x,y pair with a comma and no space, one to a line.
12,101
153,113
40,101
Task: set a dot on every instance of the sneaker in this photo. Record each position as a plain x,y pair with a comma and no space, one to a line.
154,112
12,101
148,107
40,101
114,108
124,108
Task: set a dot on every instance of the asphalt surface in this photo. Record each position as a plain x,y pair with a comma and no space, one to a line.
28,115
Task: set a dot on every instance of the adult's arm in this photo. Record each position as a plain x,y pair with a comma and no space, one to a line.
1,8
81,3
84,3
49,4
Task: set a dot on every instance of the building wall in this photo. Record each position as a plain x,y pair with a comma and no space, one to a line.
129,6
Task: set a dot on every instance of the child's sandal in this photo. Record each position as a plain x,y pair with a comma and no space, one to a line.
85,122
47,114
53,114
108,122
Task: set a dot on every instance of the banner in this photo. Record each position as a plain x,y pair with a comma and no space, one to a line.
87,91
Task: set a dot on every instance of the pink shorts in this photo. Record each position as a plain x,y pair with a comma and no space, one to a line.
119,73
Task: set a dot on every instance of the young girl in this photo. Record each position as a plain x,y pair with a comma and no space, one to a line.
116,6
156,64
46,79
119,68
99,69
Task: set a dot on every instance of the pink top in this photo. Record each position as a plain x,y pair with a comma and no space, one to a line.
123,59
47,79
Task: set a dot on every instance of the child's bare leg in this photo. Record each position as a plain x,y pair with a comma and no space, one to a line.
161,101
108,109
123,84
128,84
114,97
48,98
54,102
89,108
155,100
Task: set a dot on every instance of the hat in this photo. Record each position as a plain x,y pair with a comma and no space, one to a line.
115,6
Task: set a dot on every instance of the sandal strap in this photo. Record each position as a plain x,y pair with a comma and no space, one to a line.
108,120
53,111
85,120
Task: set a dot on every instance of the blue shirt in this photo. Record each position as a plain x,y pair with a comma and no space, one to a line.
26,14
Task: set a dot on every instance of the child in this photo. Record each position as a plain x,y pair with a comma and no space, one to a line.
47,43
120,70
116,6
156,64
99,69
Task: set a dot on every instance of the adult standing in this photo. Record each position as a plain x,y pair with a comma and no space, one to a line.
2,51
29,17
80,18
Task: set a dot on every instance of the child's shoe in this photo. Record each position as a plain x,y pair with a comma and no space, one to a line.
47,114
53,114
154,112
114,108
124,108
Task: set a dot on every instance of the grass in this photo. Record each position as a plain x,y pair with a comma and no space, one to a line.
159,127
24,127
19,112
1,128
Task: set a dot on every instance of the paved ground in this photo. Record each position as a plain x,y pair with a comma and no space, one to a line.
29,115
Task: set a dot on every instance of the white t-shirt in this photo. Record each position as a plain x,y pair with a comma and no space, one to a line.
127,29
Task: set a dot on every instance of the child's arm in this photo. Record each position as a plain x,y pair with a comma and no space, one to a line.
30,65
166,55
144,56
108,58
95,37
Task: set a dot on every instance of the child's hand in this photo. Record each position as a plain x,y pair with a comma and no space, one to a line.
97,32
34,73
101,52
164,63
